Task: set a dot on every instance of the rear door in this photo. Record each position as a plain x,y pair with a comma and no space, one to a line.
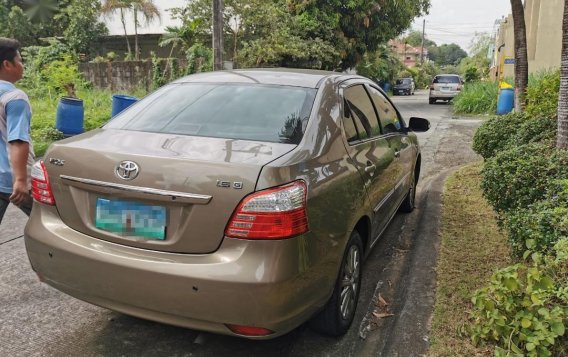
371,153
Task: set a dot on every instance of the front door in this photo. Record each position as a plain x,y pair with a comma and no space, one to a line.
372,154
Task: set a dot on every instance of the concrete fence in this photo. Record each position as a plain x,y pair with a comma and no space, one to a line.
125,76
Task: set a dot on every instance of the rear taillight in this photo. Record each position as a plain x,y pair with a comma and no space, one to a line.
459,87
41,188
276,213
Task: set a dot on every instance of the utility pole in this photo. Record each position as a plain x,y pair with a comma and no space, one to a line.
422,47
218,7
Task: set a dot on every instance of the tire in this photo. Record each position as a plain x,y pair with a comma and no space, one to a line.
432,101
337,315
409,202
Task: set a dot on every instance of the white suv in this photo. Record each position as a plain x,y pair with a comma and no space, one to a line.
445,87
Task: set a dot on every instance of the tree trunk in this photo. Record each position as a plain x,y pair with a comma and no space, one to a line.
136,49
218,7
562,140
521,55
123,20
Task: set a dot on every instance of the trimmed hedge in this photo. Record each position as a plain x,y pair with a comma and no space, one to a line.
540,226
501,132
521,175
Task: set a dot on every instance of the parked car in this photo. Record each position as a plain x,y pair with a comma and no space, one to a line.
404,86
241,202
445,87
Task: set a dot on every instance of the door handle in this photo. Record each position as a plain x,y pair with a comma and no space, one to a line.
397,153
370,168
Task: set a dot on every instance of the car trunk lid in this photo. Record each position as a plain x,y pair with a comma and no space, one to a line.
181,198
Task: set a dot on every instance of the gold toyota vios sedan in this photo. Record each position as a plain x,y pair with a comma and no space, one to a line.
240,202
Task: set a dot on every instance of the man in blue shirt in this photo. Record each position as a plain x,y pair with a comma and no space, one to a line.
16,151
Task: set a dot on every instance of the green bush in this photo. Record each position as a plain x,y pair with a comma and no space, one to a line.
477,98
541,225
524,310
500,132
521,175
494,135
542,94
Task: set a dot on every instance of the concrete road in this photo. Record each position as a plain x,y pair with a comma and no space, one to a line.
36,320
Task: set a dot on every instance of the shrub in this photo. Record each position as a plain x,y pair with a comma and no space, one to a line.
524,309
500,132
542,94
541,225
477,98
493,135
521,175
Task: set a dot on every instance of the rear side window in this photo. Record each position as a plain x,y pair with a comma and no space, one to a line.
232,111
446,79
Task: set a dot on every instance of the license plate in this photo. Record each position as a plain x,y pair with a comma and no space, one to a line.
130,218
445,89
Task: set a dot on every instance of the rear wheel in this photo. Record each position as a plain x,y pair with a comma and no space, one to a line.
432,101
339,311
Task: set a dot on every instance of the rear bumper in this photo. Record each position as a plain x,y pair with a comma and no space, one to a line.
443,94
261,284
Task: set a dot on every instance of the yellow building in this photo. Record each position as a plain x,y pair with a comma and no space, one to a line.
543,20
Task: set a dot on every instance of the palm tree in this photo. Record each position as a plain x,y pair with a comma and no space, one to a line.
562,140
110,6
149,12
521,56
40,11
181,36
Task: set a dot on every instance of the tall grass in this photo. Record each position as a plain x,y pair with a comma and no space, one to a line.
477,98
97,104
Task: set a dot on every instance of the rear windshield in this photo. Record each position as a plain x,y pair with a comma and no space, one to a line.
233,111
447,79
403,81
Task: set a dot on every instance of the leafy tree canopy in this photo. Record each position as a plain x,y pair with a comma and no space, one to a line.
331,34
357,26
447,54
414,39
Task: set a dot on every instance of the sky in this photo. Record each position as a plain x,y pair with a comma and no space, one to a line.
449,21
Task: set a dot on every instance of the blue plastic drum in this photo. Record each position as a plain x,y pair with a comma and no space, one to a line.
386,87
70,116
121,102
506,101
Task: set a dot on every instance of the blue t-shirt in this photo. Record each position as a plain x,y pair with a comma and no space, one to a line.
15,122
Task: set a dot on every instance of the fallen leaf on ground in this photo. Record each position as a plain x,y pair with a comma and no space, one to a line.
381,315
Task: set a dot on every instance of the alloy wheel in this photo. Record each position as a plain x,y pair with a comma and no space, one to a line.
350,282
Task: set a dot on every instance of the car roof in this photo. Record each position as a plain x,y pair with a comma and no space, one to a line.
447,75
281,76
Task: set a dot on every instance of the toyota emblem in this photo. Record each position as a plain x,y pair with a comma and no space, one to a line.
127,170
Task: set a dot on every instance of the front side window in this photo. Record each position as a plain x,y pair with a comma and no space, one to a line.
390,122
233,111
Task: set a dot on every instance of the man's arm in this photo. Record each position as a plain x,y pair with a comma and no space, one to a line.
18,120
19,151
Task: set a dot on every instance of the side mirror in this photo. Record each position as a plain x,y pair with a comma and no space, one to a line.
418,124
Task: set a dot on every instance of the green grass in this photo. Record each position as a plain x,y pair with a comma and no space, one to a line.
477,98
472,248
97,104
